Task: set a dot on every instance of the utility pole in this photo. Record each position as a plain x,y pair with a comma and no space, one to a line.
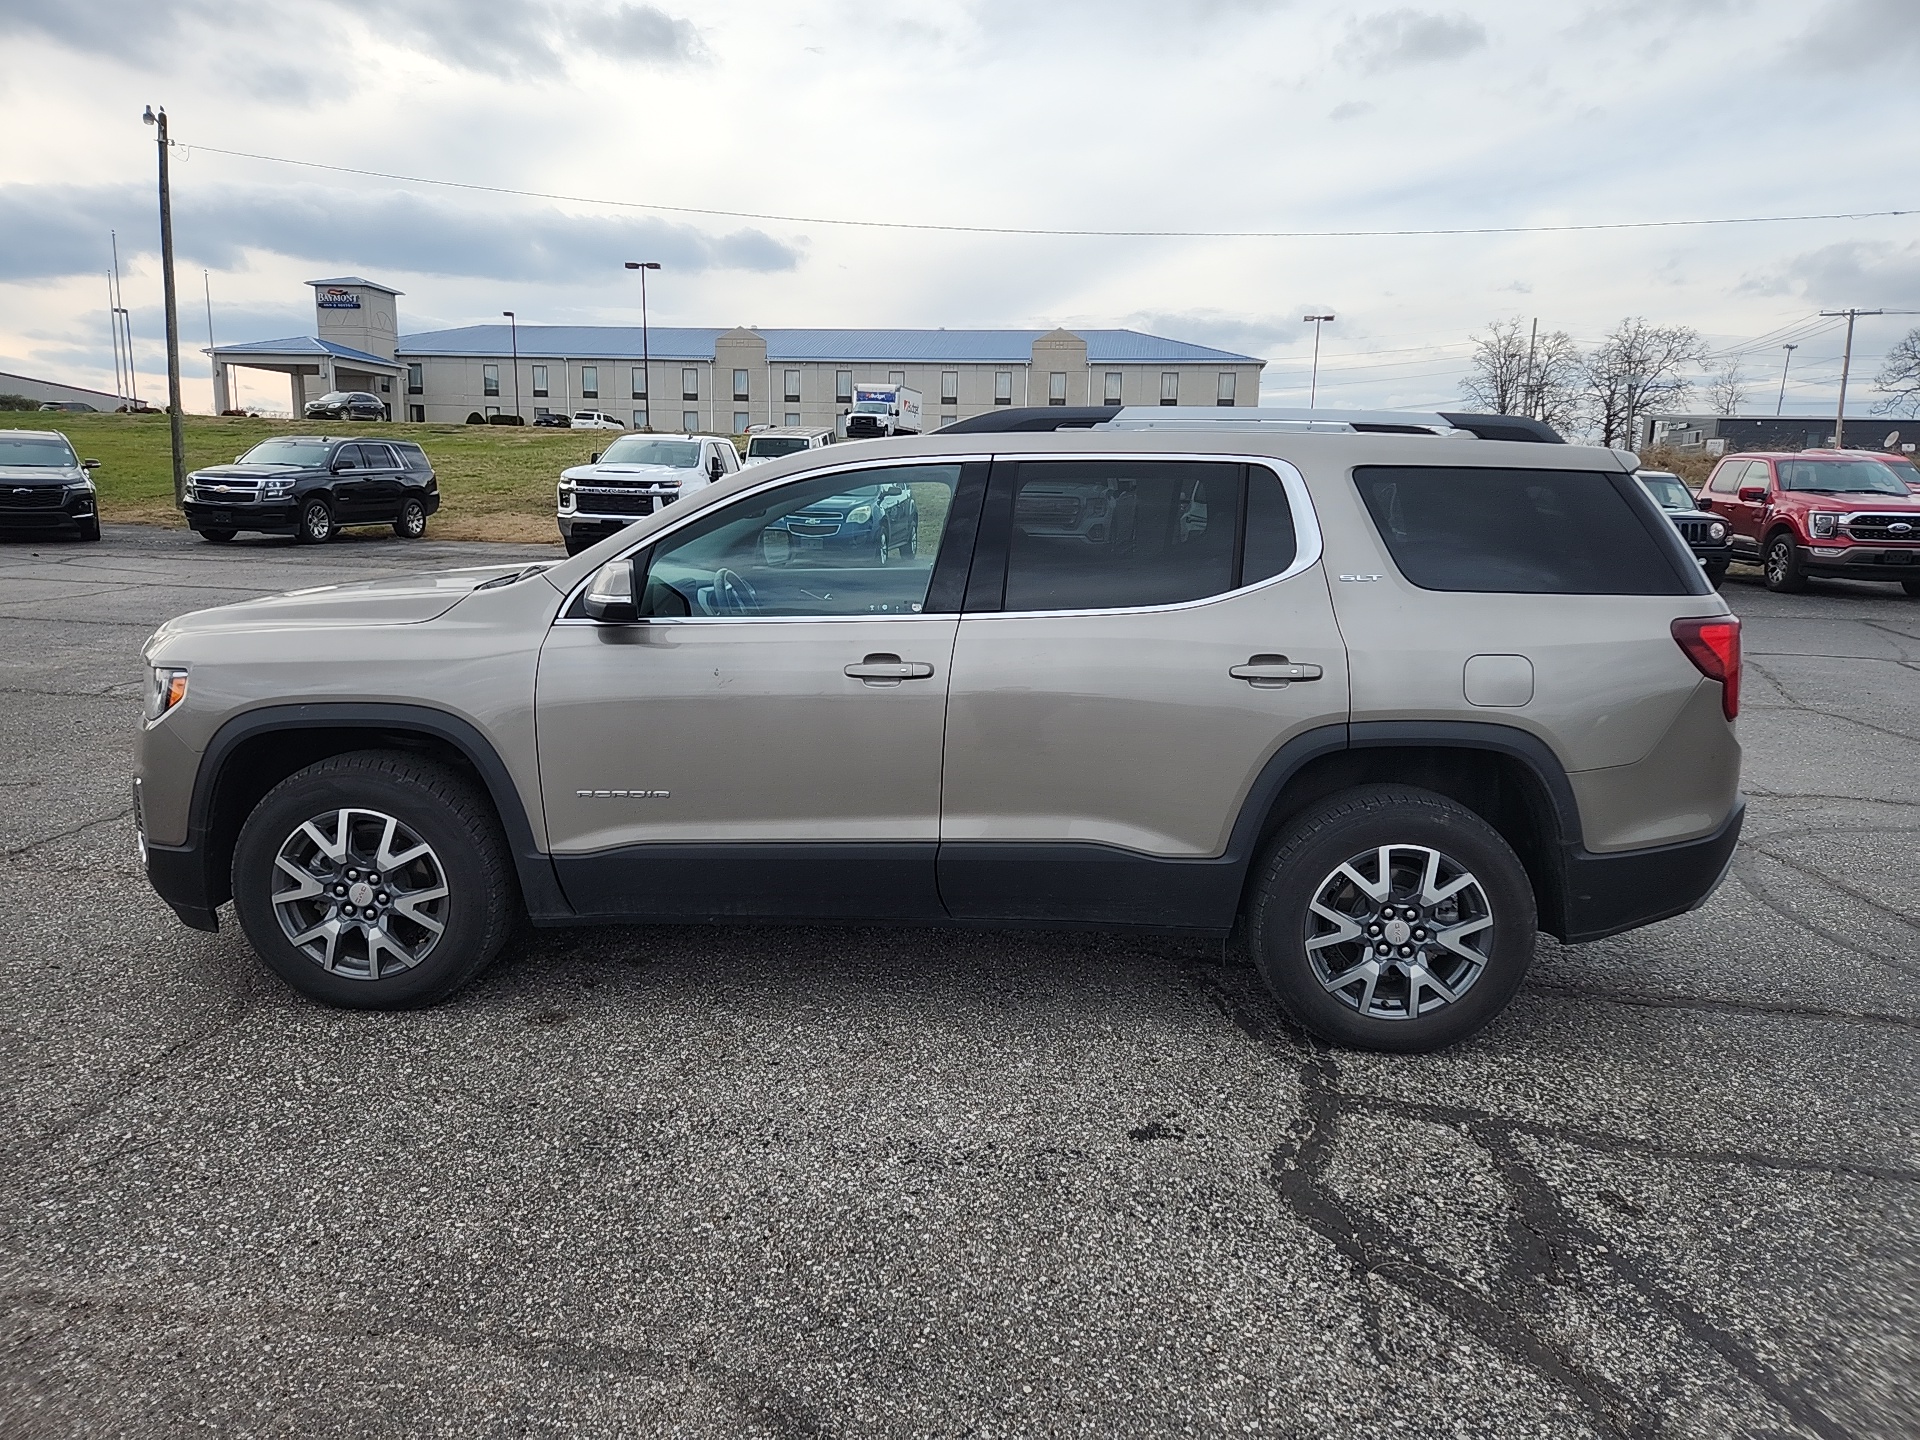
123,325
113,324
513,326
1533,337
159,122
646,353
1846,364
1780,404
1313,385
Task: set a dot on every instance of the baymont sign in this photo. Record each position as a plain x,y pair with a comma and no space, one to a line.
334,298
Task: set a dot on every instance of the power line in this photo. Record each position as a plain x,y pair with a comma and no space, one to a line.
922,226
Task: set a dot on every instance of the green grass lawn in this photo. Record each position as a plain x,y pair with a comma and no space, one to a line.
496,481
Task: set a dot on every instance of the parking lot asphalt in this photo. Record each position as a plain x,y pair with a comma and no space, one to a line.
822,1182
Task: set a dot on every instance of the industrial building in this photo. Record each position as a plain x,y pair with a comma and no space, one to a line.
1730,434
692,378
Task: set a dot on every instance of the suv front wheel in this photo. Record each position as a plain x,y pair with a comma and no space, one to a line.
1390,918
374,880
316,522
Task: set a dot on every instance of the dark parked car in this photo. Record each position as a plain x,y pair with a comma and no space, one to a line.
873,523
547,419
45,486
308,486
346,405
1707,535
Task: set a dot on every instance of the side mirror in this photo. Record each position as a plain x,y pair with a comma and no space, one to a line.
609,595
341,467
594,458
89,464
1753,492
716,467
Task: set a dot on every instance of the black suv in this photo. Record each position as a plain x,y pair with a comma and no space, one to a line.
347,405
308,486
1707,535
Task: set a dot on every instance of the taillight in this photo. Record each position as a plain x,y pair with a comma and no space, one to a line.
1712,643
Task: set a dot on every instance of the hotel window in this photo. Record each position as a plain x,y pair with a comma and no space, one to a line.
1170,387
589,382
739,384
741,419
639,419
690,384
417,413
948,419
490,379
793,418
1003,387
416,380
1057,388
1225,396
689,420
1112,396
843,387
539,382
639,386
949,387
386,384
896,377
792,391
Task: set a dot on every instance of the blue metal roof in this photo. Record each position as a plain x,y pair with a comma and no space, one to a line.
682,342
304,345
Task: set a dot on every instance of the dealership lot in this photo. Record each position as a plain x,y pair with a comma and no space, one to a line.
832,1181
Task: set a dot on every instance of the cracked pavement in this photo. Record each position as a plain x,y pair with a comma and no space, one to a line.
799,1182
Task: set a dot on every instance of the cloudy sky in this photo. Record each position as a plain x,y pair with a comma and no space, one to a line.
1104,115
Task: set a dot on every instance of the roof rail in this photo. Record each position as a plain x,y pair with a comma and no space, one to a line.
1012,419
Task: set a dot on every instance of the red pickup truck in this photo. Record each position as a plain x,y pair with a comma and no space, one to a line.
1833,513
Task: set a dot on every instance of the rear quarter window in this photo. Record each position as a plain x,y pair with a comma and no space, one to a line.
1526,532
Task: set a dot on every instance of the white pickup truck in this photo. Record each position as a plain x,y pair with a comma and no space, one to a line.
595,420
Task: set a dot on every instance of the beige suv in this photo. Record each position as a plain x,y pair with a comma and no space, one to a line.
1383,704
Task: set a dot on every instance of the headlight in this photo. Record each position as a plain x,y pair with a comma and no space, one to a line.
166,688
566,496
859,515
1825,522
276,489
1716,531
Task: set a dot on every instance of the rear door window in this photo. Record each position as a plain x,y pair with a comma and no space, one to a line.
1120,534
1530,532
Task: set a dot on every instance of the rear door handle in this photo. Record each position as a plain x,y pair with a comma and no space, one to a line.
1273,671
888,670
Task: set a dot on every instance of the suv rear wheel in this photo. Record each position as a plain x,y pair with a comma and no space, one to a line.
412,523
1785,568
374,880
1390,918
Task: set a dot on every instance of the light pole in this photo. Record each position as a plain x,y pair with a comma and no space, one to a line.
1780,405
646,352
159,122
513,328
1313,386
1846,364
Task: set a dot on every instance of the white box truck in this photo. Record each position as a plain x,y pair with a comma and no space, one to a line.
883,410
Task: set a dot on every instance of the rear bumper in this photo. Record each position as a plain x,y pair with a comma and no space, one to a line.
1605,894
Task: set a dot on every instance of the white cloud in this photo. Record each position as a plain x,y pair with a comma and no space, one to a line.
1399,38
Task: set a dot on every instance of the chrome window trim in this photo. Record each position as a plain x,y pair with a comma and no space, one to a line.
1306,524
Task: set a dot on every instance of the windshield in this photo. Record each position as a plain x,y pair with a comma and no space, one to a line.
36,451
632,450
306,453
872,407
1839,477
1668,491
771,445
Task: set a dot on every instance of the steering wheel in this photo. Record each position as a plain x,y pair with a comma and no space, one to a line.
732,595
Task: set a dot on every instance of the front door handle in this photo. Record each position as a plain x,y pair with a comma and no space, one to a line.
888,670
1273,671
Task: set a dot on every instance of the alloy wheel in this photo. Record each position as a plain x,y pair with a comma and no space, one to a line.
365,896
1399,931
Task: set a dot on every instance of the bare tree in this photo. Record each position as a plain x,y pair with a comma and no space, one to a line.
1899,377
1727,386
1638,368
1497,382
1554,392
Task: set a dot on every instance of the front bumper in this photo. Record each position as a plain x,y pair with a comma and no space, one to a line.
1708,554
45,507
1862,562
271,516
1604,894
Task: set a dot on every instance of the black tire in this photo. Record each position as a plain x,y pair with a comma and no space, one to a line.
1783,566
1912,587
1716,572
90,528
1306,859
316,523
412,523
445,812
218,537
